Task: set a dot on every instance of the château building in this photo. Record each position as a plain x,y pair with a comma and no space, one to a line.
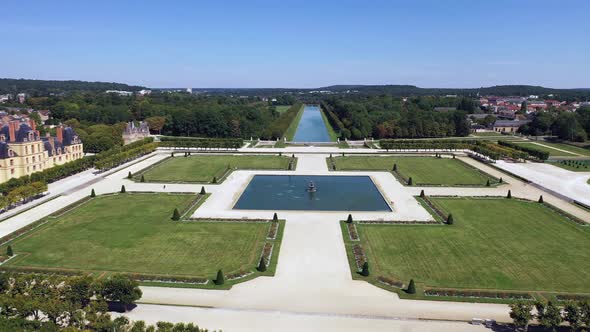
23,151
134,133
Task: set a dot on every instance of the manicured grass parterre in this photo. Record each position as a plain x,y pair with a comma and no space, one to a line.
282,108
202,168
494,244
134,233
555,149
422,170
573,165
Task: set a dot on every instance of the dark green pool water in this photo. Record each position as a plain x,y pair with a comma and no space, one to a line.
333,193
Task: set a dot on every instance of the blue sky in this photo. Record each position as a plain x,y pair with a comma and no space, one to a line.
429,43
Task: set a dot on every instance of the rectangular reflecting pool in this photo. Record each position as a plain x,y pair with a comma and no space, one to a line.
292,192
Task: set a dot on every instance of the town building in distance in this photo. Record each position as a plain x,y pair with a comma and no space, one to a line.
135,132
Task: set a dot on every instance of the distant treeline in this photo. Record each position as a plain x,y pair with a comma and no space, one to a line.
43,87
357,117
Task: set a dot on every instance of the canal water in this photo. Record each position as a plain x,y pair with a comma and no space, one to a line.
311,127
292,192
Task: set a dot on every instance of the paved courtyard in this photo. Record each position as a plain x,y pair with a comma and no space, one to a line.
313,286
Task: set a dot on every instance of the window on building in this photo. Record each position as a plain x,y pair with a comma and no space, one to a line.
12,162
12,171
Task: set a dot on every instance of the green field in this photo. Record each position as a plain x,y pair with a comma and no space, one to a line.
422,170
572,151
282,108
495,244
572,165
134,233
202,169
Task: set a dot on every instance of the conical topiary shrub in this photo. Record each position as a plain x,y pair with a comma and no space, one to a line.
92,193
9,251
410,182
395,167
123,189
450,219
541,199
175,215
203,192
422,195
214,180
142,178
488,183
129,176
501,180
411,287
349,219
262,265
509,194
220,279
275,217
365,270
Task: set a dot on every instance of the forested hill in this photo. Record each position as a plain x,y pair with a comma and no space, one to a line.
44,87
499,90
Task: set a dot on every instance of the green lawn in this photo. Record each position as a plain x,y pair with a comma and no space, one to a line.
134,233
548,148
333,135
423,170
572,165
202,169
282,108
584,151
493,244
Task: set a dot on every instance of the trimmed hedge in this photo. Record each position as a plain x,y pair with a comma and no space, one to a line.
538,154
204,143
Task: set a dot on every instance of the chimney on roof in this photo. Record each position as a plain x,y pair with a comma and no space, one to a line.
60,134
32,124
12,131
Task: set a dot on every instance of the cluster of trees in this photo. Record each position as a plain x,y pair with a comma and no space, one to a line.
390,117
176,114
541,155
565,125
278,128
120,155
22,193
549,315
53,303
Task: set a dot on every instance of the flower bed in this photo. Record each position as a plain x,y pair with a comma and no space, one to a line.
267,252
167,279
572,297
359,255
390,282
352,233
441,214
272,231
478,294
238,275
398,222
35,270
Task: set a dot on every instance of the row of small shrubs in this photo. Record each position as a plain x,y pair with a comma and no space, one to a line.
359,255
272,231
352,233
398,222
536,153
478,294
